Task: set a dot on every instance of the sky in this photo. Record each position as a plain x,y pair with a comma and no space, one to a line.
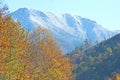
104,12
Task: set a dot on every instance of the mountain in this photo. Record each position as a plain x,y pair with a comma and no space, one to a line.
68,30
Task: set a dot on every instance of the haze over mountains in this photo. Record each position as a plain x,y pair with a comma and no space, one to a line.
69,30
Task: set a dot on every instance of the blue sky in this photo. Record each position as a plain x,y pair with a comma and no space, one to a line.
105,12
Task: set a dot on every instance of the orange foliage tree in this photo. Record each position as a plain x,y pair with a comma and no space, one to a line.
14,49
115,77
48,58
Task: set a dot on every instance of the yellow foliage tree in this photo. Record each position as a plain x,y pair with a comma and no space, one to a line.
115,77
48,58
14,49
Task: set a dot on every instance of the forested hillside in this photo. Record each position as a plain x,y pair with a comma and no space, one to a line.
98,62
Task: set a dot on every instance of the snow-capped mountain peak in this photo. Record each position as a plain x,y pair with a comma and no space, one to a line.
68,30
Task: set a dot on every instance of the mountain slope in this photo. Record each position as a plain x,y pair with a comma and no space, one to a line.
102,47
69,30
103,65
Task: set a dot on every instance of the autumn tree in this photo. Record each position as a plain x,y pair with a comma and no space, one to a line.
14,49
115,77
49,60
109,51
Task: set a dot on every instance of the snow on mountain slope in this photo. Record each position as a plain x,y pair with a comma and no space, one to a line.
68,30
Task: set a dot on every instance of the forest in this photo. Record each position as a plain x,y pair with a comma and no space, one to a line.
99,62
36,55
